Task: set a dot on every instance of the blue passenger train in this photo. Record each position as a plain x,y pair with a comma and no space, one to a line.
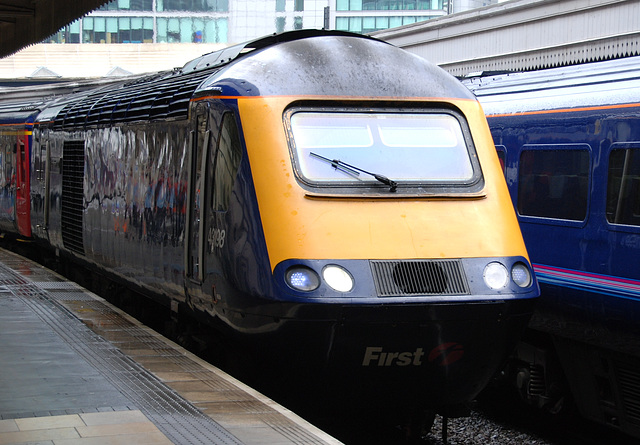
569,140
348,226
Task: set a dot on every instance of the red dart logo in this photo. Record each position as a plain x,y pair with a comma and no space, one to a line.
446,353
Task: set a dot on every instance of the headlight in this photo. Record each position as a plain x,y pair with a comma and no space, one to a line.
521,275
337,278
302,278
495,276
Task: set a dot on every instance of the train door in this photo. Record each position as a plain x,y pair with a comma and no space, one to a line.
194,240
40,184
23,195
619,245
47,184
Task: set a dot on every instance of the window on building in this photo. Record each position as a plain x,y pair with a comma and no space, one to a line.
389,5
365,25
128,5
68,34
190,29
433,4
117,30
382,22
623,185
297,23
395,21
298,5
553,182
369,5
280,24
343,5
280,5
193,5
74,33
353,24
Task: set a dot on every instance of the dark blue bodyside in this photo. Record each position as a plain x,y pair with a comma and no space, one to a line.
592,248
584,341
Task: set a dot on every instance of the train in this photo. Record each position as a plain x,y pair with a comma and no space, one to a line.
345,222
569,141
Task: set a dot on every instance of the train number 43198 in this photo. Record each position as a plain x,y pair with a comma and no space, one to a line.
216,238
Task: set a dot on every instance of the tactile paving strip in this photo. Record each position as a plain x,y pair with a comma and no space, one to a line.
180,421
58,285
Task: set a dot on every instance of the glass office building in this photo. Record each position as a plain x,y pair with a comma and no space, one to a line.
151,21
191,21
233,21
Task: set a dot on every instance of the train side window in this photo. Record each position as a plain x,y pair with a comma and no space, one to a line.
41,162
21,164
623,187
9,177
554,183
227,162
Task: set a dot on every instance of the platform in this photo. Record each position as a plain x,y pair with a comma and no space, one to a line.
76,370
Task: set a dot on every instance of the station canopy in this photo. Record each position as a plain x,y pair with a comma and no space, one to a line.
26,22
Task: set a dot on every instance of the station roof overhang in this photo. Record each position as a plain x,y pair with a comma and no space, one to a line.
24,23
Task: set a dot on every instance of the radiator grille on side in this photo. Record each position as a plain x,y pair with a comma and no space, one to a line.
158,96
72,204
419,277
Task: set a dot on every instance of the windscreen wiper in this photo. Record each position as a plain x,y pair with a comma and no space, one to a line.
353,171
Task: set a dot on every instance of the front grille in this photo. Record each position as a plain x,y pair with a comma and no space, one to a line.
419,277
72,205
537,384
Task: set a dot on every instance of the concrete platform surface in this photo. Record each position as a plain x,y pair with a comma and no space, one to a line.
76,370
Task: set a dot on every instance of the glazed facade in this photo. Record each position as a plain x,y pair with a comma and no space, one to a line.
232,21
191,21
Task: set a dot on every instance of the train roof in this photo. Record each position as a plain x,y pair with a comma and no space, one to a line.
594,84
19,113
302,63
326,63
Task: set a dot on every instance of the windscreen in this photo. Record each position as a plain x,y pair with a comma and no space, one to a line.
351,148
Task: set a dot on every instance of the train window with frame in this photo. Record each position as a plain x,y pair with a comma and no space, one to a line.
41,162
623,185
553,182
343,150
226,163
20,163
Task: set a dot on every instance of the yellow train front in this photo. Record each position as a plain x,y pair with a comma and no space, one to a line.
368,238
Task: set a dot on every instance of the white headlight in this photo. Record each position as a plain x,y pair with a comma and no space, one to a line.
337,278
495,276
521,275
